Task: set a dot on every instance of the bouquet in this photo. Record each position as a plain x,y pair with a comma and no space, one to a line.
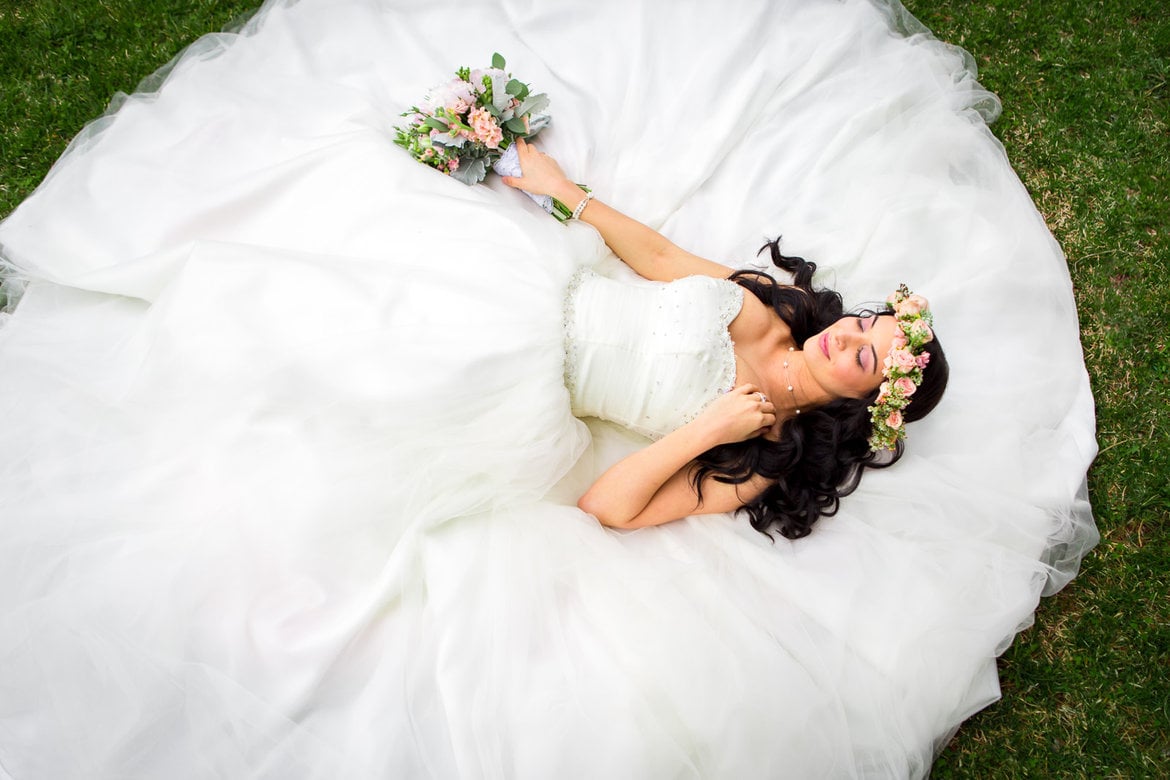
471,123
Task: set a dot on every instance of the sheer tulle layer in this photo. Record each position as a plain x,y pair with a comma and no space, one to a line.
289,474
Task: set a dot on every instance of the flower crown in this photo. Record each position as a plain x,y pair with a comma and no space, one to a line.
904,365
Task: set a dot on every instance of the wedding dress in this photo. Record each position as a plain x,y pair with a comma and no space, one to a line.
290,466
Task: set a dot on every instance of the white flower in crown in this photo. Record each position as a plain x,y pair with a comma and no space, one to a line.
903,367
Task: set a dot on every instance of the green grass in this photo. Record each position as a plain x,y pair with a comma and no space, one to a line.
1087,125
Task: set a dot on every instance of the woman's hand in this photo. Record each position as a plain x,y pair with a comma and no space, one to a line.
741,414
543,176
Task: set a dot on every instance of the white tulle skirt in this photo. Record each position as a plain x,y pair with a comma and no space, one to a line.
288,475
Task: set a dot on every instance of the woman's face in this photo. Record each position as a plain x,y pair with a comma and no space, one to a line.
847,358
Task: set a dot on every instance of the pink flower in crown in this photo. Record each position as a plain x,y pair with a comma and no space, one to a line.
485,127
906,386
921,331
895,419
903,359
899,341
907,308
922,359
912,306
883,393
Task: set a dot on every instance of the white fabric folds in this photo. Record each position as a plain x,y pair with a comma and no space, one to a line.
288,478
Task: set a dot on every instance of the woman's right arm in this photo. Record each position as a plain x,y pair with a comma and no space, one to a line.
653,485
645,250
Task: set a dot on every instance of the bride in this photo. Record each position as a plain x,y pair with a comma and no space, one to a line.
291,470
833,378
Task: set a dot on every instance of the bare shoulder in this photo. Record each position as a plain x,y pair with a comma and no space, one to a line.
757,321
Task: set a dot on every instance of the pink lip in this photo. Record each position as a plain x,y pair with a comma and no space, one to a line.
825,343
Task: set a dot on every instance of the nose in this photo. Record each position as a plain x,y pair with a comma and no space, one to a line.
843,338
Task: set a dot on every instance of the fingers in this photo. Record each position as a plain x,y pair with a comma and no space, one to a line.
527,154
763,407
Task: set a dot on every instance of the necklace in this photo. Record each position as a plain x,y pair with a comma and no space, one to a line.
788,381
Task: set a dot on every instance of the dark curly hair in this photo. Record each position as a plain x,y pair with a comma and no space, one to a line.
821,453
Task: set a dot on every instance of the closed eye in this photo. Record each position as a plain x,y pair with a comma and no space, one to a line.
862,323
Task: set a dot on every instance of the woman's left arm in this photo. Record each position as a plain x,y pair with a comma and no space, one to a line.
647,251
653,486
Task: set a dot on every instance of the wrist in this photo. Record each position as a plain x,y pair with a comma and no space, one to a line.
703,433
570,194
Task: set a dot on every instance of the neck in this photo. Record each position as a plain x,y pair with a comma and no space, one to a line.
805,394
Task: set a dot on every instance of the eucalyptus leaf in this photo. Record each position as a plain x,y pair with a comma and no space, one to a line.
500,96
538,123
470,171
533,104
516,125
498,61
515,87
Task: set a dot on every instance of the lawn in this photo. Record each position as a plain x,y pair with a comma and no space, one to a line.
1086,123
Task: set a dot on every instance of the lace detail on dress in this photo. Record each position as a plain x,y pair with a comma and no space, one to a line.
569,328
731,303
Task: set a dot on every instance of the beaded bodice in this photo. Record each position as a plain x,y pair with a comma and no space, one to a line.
648,355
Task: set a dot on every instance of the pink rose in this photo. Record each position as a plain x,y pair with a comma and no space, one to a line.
906,386
907,308
895,419
883,393
900,340
912,306
904,359
922,359
921,331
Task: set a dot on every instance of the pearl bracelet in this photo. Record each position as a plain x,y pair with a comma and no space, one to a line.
581,206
